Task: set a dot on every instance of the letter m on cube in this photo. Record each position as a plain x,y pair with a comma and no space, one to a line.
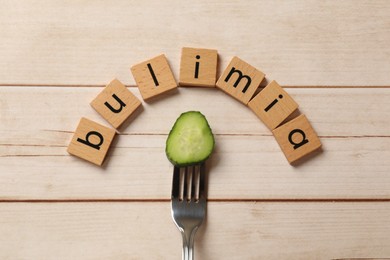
240,80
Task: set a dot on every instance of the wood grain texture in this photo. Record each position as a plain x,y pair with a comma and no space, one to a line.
247,163
297,43
140,231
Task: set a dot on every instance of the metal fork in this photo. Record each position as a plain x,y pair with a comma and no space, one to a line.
188,204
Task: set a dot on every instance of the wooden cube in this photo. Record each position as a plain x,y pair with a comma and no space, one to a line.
154,77
115,103
297,138
273,105
198,67
240,80
91,141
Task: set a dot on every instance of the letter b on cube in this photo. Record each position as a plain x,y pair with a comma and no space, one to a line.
91,141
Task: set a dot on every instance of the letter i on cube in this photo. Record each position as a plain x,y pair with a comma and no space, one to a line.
273,105
198,67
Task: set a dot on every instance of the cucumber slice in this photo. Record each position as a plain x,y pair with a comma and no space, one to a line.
190,140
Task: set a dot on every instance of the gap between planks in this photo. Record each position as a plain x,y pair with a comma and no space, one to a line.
338,200
216,134
133,86
161,134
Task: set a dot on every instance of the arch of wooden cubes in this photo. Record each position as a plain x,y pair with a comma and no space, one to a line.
198,67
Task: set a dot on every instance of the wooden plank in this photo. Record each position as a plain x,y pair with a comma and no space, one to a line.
140,231
247,164
332,112
342,43
242,167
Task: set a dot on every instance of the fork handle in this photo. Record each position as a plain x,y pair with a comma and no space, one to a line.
188,243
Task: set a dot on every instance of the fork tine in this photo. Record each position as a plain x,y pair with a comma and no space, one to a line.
189,183
185,182
202,181
194,189
176,183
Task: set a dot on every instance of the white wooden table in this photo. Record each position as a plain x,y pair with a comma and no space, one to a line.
333,57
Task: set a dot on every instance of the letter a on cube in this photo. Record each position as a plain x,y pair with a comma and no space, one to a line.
297,138
240,80
91,141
